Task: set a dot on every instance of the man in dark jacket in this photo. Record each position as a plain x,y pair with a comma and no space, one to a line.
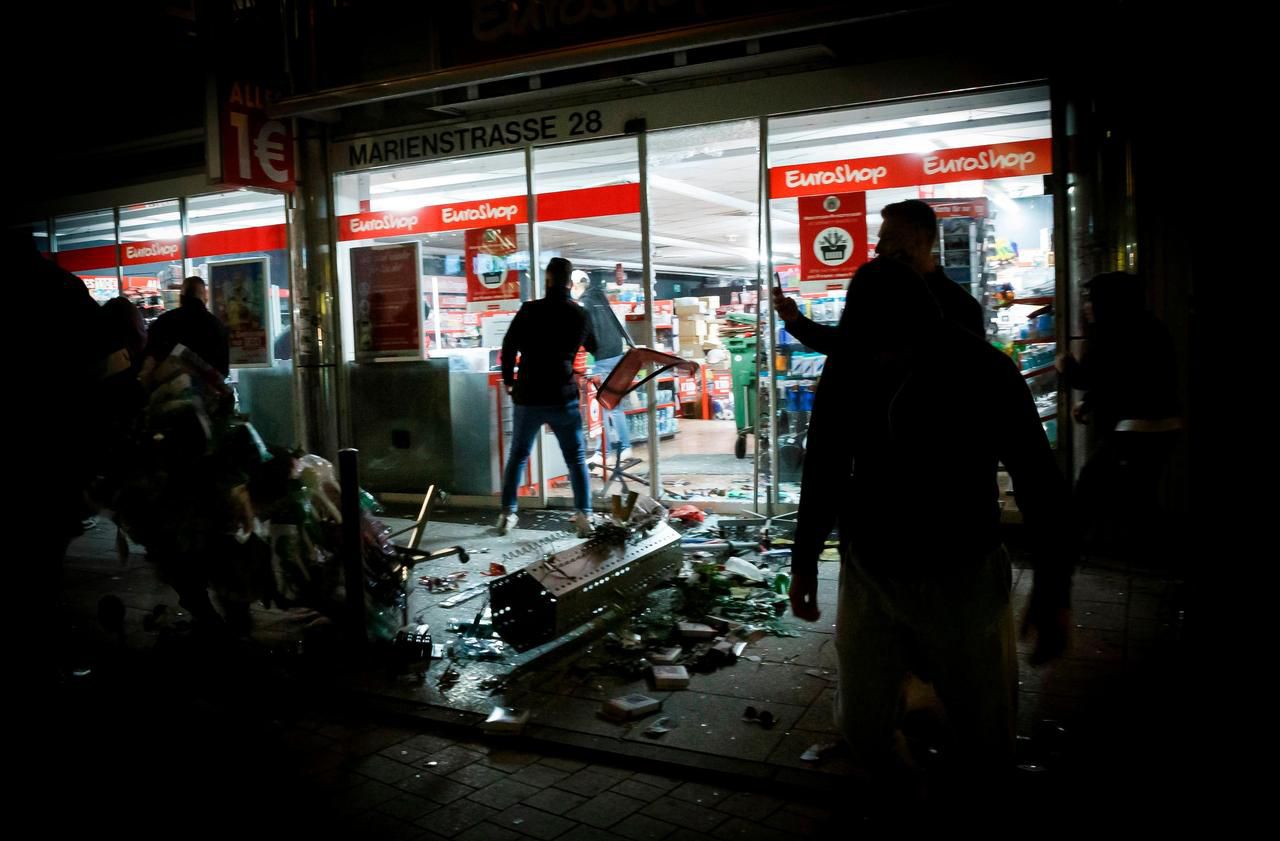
908,234
192,325
912,418
610,346
71,365
545,337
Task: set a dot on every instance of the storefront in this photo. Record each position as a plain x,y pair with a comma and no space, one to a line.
684,207
236,240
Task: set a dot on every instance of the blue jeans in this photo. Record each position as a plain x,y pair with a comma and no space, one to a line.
566,422
615,419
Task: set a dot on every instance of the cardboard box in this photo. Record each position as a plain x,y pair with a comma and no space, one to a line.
630,707
696,630
690,309
665,656
670,677
694,328
712,303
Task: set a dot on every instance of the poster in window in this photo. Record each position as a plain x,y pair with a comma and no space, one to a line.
239,295
833,240
388,301
491,277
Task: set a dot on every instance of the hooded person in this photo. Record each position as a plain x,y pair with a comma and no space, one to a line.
611,345
912,418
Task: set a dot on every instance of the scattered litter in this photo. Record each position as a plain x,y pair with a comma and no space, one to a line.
465,595
688,514
505,720
626,640
447,681
746,569
725,650
493,683
817,752
471,648
754,658
630,707
724,626
665,656
442,584
696,630
660,726
495,568
670,677
825,674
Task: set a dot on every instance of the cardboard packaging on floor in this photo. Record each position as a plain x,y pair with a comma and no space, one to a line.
696,630
630,707
665,656
670,677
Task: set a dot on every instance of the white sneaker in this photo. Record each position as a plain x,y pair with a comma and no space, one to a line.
582,522
506,522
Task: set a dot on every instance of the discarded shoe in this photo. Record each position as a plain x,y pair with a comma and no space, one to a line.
506,522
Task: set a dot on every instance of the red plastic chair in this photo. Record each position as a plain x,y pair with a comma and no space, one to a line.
622,380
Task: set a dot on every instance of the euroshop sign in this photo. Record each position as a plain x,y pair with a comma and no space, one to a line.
973,163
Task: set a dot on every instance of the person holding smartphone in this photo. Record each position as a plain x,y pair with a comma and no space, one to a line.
925,579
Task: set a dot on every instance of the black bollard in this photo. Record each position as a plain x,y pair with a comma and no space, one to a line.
352,545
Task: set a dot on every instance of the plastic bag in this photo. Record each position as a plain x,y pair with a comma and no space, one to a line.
688,513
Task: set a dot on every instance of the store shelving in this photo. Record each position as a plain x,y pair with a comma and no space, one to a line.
643,408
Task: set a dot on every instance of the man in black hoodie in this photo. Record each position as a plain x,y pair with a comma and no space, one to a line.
611,345
912,418
545,336
191,325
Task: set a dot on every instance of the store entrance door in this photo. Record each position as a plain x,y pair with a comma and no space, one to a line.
702,294
704,200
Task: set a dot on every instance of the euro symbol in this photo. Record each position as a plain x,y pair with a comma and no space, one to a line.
269,149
